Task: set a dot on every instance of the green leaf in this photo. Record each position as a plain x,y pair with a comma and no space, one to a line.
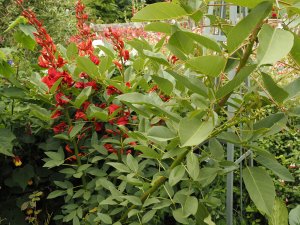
83,96
201,214
279,214
76,221
5,69
132,163
209,65
133,199
105,218
294,216
269,161
6,139
87,66
207,175
56,194
160,11
159,27
293,88
13,92
191,205
25,40
239,33
76,129
204,41
17,21
235,82
216,149
148,216
274,44
176,175
165,85
72,51
28,30
247,3
157,57
120,166
269,121
96,112
179,216
147,152
194,131
193,84
41,113
260,188
295,52
182,41
160,133
277,93
53,89
193,165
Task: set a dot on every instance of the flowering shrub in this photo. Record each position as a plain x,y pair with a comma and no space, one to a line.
140,139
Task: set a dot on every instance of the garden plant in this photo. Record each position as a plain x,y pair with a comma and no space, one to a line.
132,132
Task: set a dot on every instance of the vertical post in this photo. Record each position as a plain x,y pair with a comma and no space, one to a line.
230,157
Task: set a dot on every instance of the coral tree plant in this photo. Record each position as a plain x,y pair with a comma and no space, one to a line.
142,138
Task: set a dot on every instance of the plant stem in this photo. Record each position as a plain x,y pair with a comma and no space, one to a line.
243,62
76,149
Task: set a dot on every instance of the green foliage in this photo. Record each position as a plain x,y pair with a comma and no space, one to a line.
140,138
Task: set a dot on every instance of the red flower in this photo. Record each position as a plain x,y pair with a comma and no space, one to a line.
59,128
56,114
110,148
79,85
122,120
92,84
110,90
112,108
80,115
85,105
128,84
61,99
125,55
98,126
94,59
119,65
68,149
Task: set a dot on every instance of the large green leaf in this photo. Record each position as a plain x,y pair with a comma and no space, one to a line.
274,44
247,3
164,84
6,145
277,93
294,216
160,11
295,52
279,214
260,188
235,82
160,133
159,27
193,131
182,41
204,41
209,65
83,96
193,166
244,28
176,175
193,84
269,161
293,88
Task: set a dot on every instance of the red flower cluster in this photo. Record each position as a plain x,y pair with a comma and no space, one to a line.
49,57
84,39
115,37
111,90
122,117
